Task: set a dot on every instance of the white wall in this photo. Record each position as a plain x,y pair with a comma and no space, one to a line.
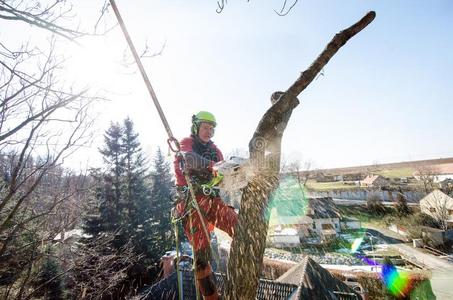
334,221
354,224
280,240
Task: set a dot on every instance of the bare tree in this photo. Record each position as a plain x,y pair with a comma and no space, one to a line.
247,248
98,270
283,11
300,171
438,206
43,126
42,121
426,176
55,16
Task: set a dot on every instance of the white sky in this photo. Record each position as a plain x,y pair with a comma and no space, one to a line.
386,96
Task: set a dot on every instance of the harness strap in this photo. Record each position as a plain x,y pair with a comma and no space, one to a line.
172,141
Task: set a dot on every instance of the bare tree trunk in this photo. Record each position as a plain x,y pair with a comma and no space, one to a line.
249,241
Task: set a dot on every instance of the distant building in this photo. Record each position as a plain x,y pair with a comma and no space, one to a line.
404,180
348,223
438,178
439,206
287,237
338,177
374,181
321,220
447,184
353,177
321,177
325,217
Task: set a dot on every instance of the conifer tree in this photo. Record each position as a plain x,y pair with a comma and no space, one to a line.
137,209
111,183
48,281
130,203
401,204
161,203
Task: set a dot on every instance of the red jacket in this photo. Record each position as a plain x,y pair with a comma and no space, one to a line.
199,159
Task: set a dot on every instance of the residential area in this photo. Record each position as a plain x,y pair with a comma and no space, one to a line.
327,247
398,213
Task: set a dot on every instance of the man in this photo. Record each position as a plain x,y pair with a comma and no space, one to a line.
200,155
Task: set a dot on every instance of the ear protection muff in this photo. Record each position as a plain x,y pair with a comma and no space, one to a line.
196,121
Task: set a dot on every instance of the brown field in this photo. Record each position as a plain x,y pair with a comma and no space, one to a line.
441,166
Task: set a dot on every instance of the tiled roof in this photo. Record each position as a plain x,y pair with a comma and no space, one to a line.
315,282
370,179
307,280
437,198
167,288
322,208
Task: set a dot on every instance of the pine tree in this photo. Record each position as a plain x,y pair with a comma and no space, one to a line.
136,190
92,222
161,203
48,282
111,187
129,201
120,204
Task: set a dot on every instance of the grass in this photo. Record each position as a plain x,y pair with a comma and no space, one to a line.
362,214
328,186
339,185
396,173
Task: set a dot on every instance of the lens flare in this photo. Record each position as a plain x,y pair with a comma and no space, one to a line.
397,283
288,203
356,244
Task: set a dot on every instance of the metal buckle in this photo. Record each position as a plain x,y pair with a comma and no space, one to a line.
207,191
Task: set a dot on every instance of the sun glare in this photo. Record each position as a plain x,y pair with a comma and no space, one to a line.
94,63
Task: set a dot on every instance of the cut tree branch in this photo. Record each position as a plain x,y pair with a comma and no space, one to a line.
249,240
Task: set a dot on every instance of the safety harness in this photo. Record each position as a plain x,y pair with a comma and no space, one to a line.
175,148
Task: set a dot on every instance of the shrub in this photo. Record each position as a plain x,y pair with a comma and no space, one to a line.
374,204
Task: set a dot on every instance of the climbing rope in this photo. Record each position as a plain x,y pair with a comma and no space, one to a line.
172,142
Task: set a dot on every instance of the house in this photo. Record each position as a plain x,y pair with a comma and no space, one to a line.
315,282
435,174
353,177
167,288
442,177
287,237
374,181
325,217
446,184
338,177
306,280
300,223
321,219
439,206
321,177
348,223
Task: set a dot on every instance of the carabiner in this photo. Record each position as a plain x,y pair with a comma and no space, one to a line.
173,144
207,191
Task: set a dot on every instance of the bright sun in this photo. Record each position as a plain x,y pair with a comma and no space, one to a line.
94,63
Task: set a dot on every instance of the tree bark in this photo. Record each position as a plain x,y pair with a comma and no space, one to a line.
249,240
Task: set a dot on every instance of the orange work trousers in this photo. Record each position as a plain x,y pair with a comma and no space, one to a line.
215,213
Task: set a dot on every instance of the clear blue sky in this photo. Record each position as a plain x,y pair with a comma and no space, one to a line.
386,96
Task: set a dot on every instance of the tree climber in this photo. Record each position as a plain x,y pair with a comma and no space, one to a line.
200,155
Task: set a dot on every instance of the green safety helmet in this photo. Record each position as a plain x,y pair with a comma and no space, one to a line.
200,117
